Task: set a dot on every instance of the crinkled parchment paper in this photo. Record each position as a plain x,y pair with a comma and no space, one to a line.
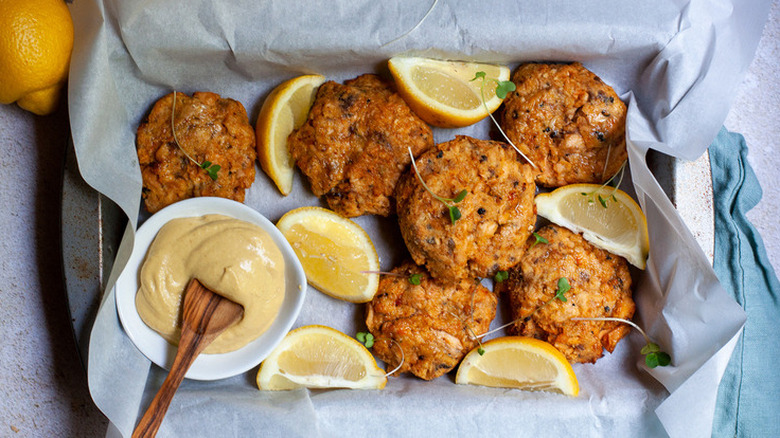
675,62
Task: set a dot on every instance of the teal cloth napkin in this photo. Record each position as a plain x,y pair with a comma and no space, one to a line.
749,395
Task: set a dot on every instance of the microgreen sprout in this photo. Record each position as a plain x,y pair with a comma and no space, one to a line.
415,279
611,196
539,239
454,211
500,276
654,357
211,169
480,350
366,339
502,89
563,287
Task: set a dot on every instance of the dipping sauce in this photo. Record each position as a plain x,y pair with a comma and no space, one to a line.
234,258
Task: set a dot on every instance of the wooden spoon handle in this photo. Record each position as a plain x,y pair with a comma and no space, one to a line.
189,349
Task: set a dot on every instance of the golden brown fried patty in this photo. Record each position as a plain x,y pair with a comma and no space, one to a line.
208,128
497,214
600,287
353,147
435,323
567,121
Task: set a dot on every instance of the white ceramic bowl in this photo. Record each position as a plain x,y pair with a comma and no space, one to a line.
208,366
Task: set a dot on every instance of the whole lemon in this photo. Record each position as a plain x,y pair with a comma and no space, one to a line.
36,39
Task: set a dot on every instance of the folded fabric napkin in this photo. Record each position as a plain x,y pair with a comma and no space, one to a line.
749,394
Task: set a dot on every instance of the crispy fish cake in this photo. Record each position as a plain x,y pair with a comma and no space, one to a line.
497,214
353,146
600,287
567,121
435,323
209,128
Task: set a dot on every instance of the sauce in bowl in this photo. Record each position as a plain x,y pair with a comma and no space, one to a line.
234,258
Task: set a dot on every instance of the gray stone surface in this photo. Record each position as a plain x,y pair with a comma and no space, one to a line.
755,114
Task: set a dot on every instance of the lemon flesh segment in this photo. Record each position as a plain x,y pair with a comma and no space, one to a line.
283,111
320,357
608,218
336,253
444,93
518,362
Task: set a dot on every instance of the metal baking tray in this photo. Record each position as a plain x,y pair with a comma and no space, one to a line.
92,227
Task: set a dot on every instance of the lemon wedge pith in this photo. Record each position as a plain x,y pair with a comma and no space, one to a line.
444,93
607,217
336,253
283,111
316,356
519,362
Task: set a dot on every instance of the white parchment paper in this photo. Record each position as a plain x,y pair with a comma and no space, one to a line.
675,62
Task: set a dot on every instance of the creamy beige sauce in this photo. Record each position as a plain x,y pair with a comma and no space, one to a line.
236,259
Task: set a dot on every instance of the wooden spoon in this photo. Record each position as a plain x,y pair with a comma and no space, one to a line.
204,317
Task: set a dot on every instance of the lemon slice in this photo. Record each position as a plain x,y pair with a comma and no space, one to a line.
334,251
606,217
283,111
316,356
519,362
442,93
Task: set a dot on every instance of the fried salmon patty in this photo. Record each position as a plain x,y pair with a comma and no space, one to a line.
497,214
600,287
434,323
353,146
567,121
208,128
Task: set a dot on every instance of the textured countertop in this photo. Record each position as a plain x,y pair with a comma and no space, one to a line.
44,390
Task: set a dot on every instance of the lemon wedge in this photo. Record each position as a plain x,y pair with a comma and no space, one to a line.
316,356
443,93
608,218
283,111
335,253
519,362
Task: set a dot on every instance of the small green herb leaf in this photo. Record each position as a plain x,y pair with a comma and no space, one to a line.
663,359
460,196
454,213
481,351
504,88
479,75
500,276
366,339
563,287
415,279
539,239
212,171
603,202
654,357
650,348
